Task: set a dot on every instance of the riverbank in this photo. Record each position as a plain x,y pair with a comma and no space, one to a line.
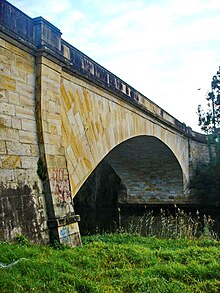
112,263
151,220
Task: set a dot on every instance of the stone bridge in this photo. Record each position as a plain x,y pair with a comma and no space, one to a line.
69,129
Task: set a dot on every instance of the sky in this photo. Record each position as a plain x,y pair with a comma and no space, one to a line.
168,50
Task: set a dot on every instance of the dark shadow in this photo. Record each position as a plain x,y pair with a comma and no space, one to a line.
139,171
97,200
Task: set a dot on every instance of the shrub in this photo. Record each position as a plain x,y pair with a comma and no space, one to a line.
206,182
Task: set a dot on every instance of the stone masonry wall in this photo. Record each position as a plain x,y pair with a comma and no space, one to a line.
48,93
22,208
94,122
149,171
199,153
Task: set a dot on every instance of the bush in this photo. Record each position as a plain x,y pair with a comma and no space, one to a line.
21,239
206,182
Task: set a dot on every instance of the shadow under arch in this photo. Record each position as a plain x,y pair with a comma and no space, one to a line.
140,171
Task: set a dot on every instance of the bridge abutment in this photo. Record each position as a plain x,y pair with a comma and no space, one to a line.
61,218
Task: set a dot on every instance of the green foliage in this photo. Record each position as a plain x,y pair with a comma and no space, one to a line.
206,182
176,225
209,120
21,239
57,245
114,263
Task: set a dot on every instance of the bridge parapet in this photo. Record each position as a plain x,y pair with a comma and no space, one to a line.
16,22
39,34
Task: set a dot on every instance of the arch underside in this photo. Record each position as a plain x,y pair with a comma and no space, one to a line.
141,170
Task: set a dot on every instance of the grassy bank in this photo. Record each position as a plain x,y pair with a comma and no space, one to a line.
113,263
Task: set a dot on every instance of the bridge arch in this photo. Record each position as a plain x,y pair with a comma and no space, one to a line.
140,170
94,123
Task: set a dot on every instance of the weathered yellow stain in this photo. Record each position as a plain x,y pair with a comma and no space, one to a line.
74,144
87,103
17,51
76,107
97,126
71,97
11,162
2,123
65,98
88,163
53,128
7,83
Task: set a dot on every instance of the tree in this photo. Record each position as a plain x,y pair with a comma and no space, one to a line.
206,178
210,120
205,181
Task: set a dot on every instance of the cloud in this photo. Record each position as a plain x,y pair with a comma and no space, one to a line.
165,49
48,9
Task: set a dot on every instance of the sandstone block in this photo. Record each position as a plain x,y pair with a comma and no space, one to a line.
9,134
27,101
66,52
7,109
16,122
23,112
80,124
5,121
52,128
49,84
30,79
3,96
7,83
29,162
11,162
27,137
50,138
51,107
61,161
2,43
60,150
67,232
34,150
13,98
25,89
24,65
50,149
7,175
56,161
16,148
51,161
17,51
29,125
2,147
23,175
53,118
46,62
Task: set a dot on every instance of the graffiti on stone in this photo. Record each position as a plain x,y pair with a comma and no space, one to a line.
65,235
60,185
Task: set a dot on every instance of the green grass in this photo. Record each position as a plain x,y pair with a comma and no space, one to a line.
114,263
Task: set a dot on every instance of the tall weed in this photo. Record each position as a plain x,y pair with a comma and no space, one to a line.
177,225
